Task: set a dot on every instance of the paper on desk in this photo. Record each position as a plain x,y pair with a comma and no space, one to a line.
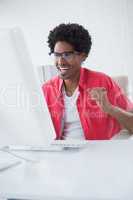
8,161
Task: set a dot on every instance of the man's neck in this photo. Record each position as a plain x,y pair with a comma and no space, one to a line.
70,86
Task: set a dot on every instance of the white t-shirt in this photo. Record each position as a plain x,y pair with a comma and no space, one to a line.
72,124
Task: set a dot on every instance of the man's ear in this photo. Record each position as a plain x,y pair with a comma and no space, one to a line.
83,60
84,56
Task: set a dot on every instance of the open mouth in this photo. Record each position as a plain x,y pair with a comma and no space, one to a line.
63,69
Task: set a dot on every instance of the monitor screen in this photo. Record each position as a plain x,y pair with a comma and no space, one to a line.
24,116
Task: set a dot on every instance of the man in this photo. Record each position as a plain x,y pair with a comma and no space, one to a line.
83,104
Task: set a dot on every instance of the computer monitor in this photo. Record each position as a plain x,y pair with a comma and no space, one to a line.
24,116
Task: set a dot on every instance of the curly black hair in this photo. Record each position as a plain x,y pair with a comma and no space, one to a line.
74,34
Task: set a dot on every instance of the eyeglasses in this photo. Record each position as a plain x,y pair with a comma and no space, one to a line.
68,55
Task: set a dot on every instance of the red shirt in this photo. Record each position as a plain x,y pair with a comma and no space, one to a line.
96,124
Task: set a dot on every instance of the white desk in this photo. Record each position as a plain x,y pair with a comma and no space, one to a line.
101,171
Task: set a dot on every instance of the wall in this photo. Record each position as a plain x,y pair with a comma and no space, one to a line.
109,22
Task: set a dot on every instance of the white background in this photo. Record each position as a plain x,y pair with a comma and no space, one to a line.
108,21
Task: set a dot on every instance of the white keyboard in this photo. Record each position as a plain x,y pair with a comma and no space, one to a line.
56,145
32,148
70,143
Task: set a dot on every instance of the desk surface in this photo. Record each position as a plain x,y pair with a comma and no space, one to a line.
103,170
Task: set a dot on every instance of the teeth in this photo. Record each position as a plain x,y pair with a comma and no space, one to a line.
63,68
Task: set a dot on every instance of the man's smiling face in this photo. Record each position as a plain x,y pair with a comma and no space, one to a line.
67,60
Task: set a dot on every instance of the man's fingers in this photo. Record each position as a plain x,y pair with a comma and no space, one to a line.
98,93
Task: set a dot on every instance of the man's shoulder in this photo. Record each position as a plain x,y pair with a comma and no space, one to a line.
89,72
95,76
54,80
52,83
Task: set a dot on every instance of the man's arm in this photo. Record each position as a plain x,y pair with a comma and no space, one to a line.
125,118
